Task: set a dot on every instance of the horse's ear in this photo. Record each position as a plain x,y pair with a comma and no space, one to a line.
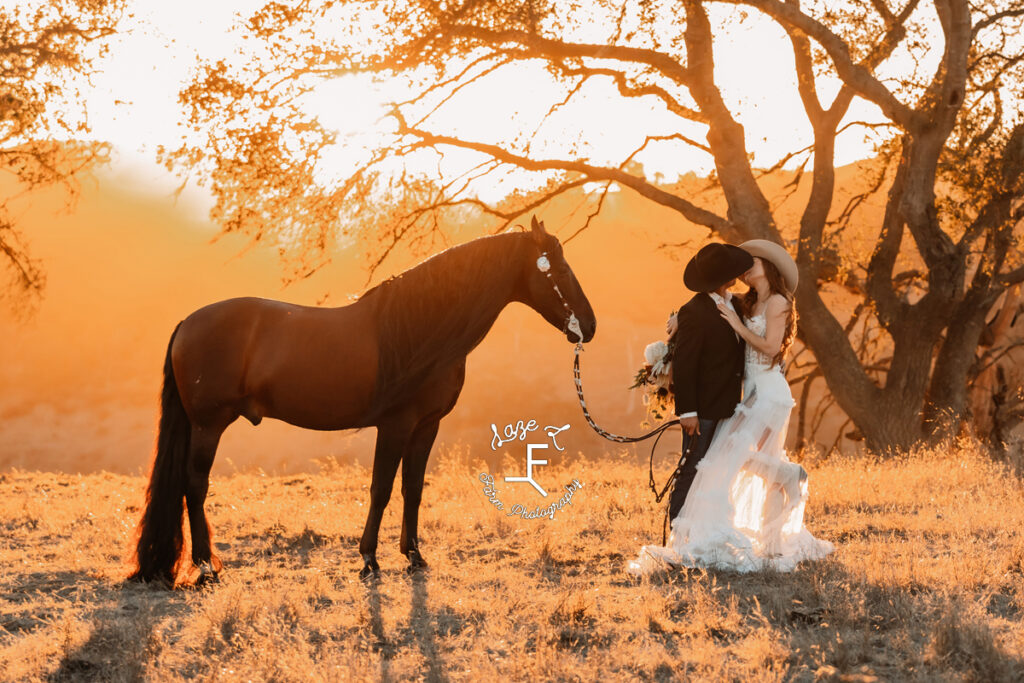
538,231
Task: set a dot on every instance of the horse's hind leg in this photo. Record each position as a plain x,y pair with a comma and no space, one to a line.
201,453
414,465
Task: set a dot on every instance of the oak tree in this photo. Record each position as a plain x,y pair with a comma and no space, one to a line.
944,76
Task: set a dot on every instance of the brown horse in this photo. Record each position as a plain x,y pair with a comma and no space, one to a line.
395,359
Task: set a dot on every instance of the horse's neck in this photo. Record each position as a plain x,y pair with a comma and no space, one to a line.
504,285
474,302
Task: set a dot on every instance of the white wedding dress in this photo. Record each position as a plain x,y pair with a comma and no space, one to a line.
745,508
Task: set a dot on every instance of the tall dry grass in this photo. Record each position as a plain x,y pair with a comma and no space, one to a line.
927,583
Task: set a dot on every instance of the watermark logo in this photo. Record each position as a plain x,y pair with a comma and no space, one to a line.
520,431
530,462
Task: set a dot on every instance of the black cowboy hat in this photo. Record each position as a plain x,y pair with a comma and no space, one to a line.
714,265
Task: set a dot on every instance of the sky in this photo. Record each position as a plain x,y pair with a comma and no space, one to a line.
133,101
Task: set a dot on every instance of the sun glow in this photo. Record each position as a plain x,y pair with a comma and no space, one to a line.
134,102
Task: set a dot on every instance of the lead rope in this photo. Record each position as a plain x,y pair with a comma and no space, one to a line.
574,326
658,431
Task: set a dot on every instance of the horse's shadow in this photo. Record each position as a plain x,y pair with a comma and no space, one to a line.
122,636
423,625
422,629
58,589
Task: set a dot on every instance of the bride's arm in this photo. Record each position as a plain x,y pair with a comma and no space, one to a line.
775,321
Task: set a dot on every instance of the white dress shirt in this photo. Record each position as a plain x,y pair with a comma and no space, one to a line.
718,300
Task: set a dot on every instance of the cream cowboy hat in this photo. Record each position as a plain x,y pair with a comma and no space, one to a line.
779,257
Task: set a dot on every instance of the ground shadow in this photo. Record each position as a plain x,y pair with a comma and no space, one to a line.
422,631
380,642
121,640
22,613
424,628
915,626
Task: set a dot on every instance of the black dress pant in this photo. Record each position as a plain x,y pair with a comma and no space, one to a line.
684,477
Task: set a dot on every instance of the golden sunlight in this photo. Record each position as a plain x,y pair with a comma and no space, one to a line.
496,340
134,104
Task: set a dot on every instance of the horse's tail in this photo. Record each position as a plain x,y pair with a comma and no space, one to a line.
160,531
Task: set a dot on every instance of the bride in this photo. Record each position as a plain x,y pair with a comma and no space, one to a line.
745,508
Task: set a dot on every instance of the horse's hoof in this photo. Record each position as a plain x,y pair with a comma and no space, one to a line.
205,580
207,575
370,570
416,562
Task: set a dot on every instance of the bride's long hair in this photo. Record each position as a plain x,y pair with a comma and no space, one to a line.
777,285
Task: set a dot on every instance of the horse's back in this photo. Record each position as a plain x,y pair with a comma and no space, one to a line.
239,309
310,366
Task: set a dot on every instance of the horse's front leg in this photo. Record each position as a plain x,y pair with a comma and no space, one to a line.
392,439
414,465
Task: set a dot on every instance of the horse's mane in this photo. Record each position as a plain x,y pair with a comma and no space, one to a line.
436,312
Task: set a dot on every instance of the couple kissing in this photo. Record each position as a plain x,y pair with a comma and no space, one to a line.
737,501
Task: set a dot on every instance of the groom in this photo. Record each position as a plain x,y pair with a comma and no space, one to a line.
707,365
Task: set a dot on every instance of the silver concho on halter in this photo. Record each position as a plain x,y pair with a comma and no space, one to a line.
574,327
544,266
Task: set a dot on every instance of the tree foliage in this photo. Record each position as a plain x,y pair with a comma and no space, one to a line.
44,47
944,76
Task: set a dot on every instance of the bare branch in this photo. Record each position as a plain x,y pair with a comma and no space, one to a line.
690,211
996,18
857,76
635,91
561,50
855,201
454,91
747,203
1012,277
591,216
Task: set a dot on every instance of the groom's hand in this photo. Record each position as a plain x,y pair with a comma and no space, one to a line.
690,425
671,325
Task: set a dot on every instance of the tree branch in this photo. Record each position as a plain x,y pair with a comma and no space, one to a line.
690,211
748,206
996,18
857,76
561,50
626,90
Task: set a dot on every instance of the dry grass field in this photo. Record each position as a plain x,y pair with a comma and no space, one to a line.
927,582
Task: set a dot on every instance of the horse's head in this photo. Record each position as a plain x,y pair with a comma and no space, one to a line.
544,270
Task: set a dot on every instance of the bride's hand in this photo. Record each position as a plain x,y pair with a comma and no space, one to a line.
671,325
730,316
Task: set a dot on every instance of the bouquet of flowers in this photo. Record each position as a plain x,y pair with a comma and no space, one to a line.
655,379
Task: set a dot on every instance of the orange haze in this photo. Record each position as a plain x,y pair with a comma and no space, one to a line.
80,381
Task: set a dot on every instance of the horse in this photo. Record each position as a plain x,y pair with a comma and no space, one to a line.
394,359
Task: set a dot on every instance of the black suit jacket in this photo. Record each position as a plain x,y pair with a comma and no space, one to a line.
707,365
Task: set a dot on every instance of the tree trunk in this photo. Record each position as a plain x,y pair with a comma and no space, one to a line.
980,406
947,396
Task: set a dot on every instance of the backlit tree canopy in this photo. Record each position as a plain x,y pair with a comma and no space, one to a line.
44,48
941,79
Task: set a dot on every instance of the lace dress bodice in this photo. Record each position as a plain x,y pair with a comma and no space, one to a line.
754,359
759,375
